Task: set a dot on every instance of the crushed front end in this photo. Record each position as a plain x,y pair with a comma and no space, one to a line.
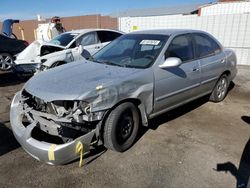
46,129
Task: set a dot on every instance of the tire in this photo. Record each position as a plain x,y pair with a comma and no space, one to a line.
121,127
220,90
6,61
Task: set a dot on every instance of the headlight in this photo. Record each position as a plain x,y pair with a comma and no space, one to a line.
81,107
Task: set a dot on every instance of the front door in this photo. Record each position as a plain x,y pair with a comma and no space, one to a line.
176,85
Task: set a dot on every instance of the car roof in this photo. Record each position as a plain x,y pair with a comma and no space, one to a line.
167,32
83,31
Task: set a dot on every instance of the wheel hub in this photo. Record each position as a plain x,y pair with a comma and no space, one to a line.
222,88
5,62
126,127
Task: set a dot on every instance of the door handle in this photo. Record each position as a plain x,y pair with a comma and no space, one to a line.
195,69
97,47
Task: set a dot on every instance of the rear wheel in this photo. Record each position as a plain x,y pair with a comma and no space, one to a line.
121,127
220,89
6,61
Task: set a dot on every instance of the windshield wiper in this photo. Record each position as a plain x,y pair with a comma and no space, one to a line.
111,63
105,62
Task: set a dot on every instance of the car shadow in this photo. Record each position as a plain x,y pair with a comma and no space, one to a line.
242,174
154,123
231,86
94,154
7,140
11,79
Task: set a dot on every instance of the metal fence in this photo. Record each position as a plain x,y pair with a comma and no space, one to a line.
233,31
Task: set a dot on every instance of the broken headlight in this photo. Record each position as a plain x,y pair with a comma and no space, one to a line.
85,107
84,113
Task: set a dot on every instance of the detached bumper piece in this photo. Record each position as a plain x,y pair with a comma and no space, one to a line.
25,69
60,144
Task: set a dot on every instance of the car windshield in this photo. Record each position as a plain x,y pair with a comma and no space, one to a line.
63,39
132,50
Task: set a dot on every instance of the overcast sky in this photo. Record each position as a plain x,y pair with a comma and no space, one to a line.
28,9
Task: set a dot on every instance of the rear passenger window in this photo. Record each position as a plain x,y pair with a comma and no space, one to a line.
205,46
107,36
180,47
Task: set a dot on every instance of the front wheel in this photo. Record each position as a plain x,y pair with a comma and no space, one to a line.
6,61
121,127
220,89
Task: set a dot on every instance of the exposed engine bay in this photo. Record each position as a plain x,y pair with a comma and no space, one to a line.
66,120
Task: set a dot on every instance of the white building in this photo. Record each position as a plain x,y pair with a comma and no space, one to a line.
225,7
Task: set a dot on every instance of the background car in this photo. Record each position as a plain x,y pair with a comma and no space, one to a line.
104,100
65,48
8,48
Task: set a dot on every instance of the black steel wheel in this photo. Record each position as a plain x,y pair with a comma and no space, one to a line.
121,127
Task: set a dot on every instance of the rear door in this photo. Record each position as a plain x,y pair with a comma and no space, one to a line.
176,85
212,60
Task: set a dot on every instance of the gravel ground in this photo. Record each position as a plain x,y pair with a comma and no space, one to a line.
201,144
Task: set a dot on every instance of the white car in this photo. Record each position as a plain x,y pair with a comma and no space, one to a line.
67,47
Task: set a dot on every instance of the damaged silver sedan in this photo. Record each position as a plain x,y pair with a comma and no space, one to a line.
105,99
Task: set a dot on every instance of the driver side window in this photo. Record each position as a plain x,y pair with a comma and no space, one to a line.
88,39
181,47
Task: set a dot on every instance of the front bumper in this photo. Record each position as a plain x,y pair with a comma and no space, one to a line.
40,150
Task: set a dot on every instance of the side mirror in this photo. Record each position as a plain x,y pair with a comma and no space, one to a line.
171,62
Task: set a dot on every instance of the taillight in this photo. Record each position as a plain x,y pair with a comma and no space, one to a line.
26,43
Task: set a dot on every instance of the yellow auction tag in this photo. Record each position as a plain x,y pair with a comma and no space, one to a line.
80,150
135,28
51,152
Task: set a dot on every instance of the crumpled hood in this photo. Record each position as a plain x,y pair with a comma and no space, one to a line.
29,54
75,80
